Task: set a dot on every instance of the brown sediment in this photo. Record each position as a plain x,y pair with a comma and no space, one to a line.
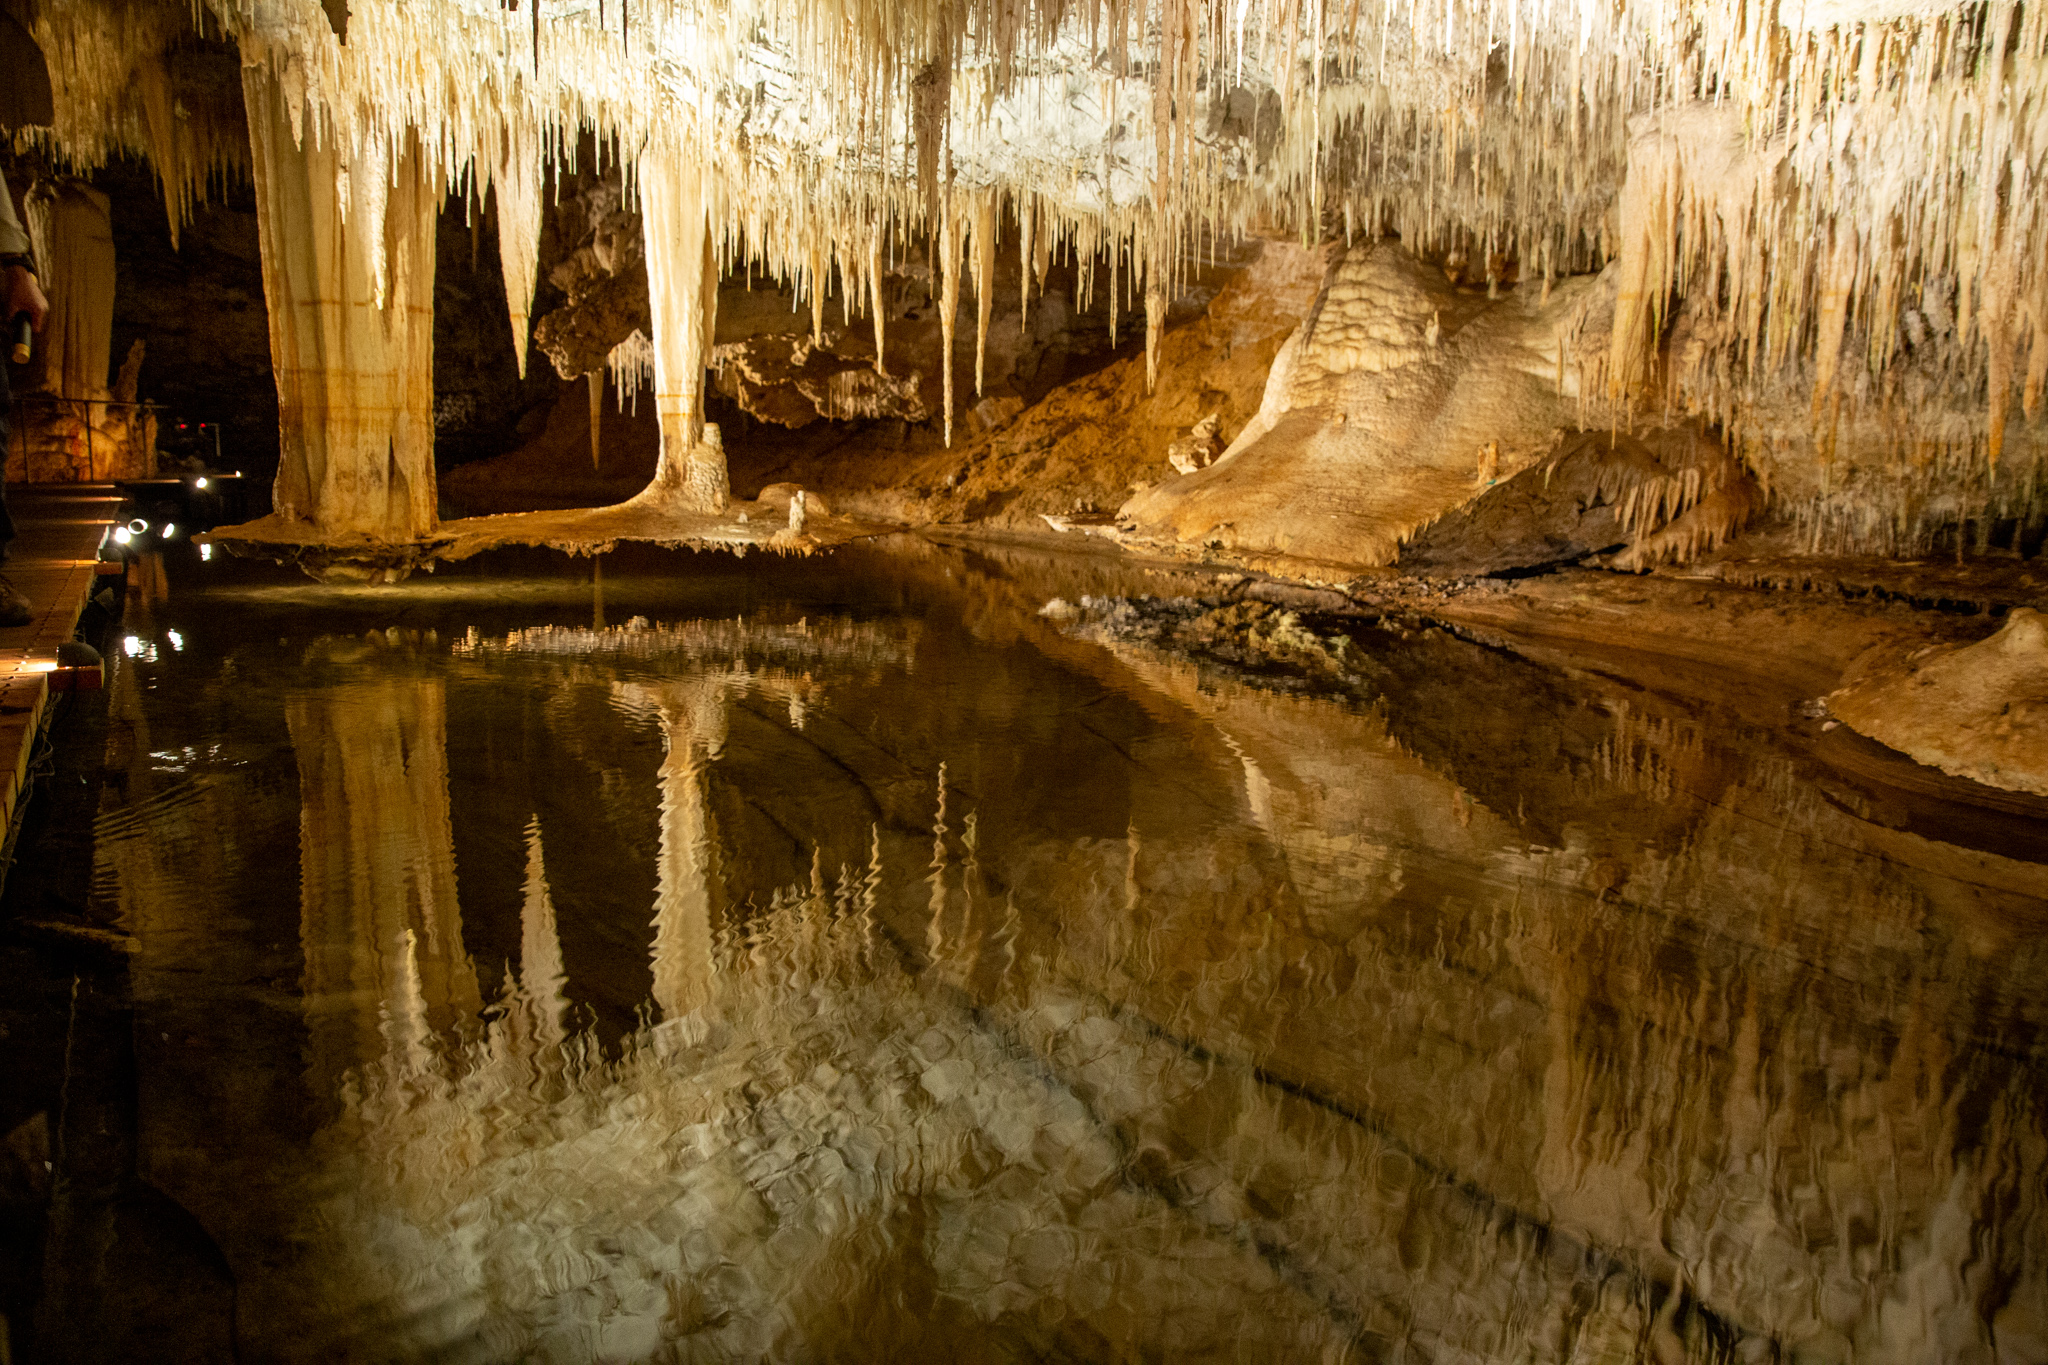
647,518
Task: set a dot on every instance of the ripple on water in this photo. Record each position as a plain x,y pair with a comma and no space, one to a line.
846,964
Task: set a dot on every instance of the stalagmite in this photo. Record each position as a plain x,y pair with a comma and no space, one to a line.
347,238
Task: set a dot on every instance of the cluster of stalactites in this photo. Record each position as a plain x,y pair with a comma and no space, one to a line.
1882,240
136,79
1858,179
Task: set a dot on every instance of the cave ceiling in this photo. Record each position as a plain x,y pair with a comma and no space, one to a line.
1842,195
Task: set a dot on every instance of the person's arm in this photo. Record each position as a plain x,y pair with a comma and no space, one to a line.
20,292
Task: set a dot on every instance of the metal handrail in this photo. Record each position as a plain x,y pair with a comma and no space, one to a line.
91,460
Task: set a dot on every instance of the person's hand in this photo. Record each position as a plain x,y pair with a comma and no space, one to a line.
25,295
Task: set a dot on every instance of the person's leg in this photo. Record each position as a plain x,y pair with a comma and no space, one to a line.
15,610
6,433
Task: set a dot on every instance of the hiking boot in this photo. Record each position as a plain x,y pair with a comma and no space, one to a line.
15,610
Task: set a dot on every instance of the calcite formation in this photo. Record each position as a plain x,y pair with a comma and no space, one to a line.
348,258
1821,228
1378,416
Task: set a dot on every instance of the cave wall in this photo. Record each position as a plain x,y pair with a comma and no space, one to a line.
197,307
480,397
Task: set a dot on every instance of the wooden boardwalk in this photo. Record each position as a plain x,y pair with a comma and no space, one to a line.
58,535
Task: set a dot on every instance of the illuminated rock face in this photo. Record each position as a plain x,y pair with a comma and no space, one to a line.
1377,418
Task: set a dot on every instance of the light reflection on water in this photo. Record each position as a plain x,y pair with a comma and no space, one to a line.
841,963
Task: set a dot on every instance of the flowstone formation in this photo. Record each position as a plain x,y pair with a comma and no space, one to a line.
1398,398
1817,231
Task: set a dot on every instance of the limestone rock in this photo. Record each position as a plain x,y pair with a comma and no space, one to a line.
1653,495
1088,440
993,412
1199,448
785,497
1978,711
1373,413
603,273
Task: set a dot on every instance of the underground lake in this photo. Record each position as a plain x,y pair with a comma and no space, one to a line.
926,952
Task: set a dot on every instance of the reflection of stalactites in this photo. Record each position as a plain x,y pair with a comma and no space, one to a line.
967,945
870,894
935,935
1134,843
1006,939
682,951
377,867
540,948
1258,788
402,1016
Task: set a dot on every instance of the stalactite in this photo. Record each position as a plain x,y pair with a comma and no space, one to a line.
1155,325
631,365
519,207
876,308
984,280
1802,182
1027,252
949,297
818,274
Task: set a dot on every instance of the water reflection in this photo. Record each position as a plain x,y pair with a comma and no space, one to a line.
1012,997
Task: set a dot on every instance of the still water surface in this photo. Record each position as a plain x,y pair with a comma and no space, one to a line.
837,961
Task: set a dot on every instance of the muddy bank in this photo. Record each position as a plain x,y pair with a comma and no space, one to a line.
1756,657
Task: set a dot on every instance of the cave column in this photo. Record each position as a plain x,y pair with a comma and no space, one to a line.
346,227
678,198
